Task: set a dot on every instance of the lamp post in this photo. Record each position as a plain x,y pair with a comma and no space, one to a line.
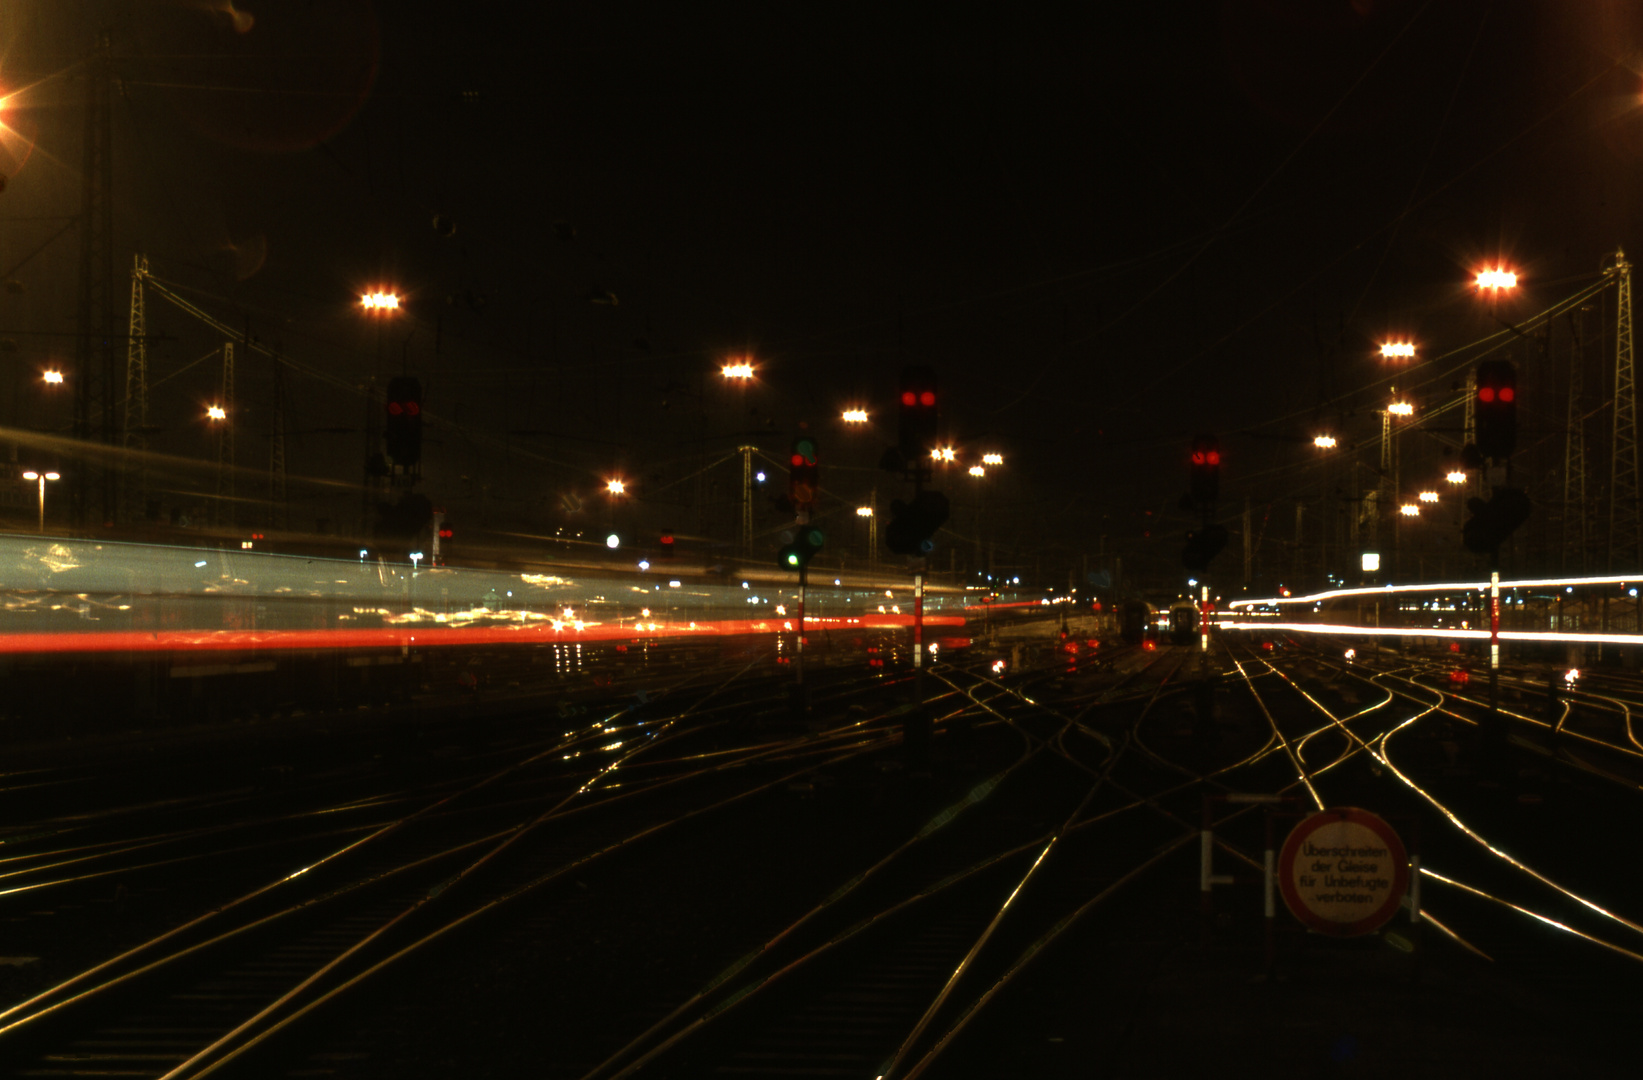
872,533
42,477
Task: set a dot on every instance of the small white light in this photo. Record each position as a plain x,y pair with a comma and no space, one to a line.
644,564
613,541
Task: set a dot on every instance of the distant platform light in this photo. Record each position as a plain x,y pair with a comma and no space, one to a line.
992,459
1398,349
215,412
1497,279
1428,496
864,511
1324,442
53,377
1401,408
1456,477
855,416
977,470
944,453
1409,510
737,369
615,487
379,301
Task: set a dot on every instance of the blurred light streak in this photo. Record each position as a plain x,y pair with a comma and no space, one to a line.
1452,586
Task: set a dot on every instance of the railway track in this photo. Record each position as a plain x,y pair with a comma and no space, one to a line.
708,882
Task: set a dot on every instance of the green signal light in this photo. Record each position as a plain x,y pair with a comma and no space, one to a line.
792,558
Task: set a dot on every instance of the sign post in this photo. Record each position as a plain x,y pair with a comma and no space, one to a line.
1343,871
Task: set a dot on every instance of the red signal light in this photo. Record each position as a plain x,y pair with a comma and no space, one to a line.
1486,393
1214,457
927,399
798,459
1507,393
412,408
908,398
394,408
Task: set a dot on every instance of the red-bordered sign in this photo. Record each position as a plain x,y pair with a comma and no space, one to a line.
1343,871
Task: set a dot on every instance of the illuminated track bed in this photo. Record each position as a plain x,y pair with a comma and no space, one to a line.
1513,872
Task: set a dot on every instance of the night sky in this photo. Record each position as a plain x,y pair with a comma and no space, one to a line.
1106,232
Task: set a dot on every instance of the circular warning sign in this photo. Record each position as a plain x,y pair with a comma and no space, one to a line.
1343,871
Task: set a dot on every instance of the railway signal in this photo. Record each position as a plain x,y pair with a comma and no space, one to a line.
667,546
807,540
920,414
913,525
1202,546
802,484
1496,410
1206,470
402,435
1493,521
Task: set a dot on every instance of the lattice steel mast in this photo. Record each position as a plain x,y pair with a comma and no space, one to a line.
134,433
1623,510
1575,532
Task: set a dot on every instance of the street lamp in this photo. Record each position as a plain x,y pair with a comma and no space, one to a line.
379,302
1401,408
1394,350
1456,477
1410,510
977,470
1324,442
1428,496
52,377
855,416
944,453
615,487
872,533
992,459
1496,279
42,478
215,412
737,369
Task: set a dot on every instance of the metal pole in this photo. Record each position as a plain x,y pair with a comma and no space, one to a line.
918,624
1494,628
799,648
1206,848
1268,900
